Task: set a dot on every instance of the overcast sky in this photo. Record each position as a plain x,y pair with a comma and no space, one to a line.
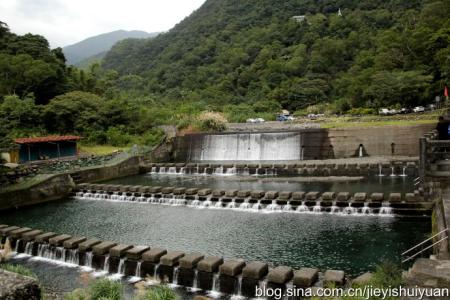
64,22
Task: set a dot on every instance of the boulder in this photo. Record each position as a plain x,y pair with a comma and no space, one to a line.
363,279
334,277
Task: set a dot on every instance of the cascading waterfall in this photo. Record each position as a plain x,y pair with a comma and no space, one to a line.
386,209
317,208
106,264
393,172
176,270
380,170
302,207
366,210
247,146
179,200
16,248
89,256
334,208
350,210
403,172
121,268
215,289
137,273
29,248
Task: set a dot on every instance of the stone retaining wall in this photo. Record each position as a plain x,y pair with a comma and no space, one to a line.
230,276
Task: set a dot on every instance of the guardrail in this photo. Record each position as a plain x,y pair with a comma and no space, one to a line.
424,246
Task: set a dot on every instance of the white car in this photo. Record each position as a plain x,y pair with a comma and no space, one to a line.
418,109
259,120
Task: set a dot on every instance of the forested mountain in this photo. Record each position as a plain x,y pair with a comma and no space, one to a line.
377,53
95,45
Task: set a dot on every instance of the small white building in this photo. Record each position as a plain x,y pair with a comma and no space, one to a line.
299,19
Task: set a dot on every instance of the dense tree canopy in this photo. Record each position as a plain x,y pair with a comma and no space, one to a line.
378,53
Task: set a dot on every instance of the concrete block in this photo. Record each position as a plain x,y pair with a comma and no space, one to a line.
179,191
171,258
136,252
218,193
153,255
59,239
232,267
377,197
334,277
280,275
255,270
43,238
4,231
271,195
191,260
305,277
73,243
18,232
395,197
328,196
119,250
410,197
285,195
360,196
210,264
31,235
231,193
155,189
204,192
298,195
191,191
343,196
312,195
3,226
243,194
257,194
167,190
103,247
88,244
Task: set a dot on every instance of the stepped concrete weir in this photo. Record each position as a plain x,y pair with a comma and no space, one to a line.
340,203
193,270
392,168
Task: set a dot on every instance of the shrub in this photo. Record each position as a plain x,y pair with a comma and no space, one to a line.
211,121
105,289
361,111
387,274
152,137
160,292
116,136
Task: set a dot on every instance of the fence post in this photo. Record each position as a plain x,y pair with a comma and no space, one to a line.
422,158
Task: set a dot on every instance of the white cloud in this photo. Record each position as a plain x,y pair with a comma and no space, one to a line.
65,22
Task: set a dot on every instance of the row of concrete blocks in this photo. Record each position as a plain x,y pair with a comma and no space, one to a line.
255,194
397,164
165,261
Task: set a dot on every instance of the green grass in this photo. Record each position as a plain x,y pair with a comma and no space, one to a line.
100,149
18,269
28,183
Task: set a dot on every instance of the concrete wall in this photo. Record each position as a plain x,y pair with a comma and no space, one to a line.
338,143
125,168
47,188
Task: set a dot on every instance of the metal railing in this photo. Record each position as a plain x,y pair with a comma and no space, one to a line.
432,150
420,248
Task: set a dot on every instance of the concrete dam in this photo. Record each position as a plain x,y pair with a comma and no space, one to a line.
302,144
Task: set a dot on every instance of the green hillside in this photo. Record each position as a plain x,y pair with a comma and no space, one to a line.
378,53
95,45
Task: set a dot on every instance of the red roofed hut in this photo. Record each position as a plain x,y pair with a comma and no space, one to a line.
47,147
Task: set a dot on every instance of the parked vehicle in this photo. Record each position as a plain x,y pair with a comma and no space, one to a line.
282,118
405,110
259,120
418,109
384,111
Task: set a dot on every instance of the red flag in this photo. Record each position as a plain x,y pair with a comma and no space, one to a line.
446,91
